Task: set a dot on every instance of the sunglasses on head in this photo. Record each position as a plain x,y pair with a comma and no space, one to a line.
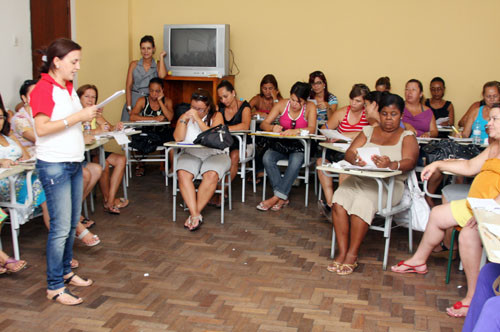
200,97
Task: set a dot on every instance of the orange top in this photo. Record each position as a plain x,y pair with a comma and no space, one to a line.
487,183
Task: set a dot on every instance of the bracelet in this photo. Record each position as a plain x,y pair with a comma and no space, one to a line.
129,107
183,121
398,166
66,124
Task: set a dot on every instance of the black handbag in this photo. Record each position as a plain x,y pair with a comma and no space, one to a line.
444,149
286,146
217,137
146,143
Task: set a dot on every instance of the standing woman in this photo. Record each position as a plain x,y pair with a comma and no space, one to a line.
59,147
140,72
326,103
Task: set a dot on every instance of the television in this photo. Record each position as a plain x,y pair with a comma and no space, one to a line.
200,50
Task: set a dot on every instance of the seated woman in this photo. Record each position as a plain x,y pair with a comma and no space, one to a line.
22,122
480,114
326,103
237,116
349,121
440,107
23,129
140,72
383,84
109,182
415,118
483,312
9,264
268,96
211,164
458,213
155,106
295,114
355,200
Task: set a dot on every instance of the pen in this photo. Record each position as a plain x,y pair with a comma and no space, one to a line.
184,143
456,131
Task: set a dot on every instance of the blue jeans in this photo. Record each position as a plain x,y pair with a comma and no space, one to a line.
63,186
282,185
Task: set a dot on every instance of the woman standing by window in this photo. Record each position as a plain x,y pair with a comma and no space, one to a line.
59,147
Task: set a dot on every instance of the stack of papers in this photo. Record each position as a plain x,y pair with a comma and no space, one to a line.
334,134
442,120
348,166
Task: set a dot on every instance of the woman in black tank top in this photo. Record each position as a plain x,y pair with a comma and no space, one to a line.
440,107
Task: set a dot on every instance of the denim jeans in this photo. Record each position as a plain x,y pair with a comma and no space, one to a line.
282,185
63,186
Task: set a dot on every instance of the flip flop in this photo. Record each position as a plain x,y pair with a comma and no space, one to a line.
277,206
123,203
87,222
78,281
59,297
94,237
14,261
457,306
112,210
262,207
411,268
200,221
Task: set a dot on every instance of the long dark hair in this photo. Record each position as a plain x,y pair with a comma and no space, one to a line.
23,90
269,78
321,76
420,86
6,124
204,96
58,48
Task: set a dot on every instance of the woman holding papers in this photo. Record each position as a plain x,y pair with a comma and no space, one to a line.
486,184
210,163
109,181
58,118
355,200
296,114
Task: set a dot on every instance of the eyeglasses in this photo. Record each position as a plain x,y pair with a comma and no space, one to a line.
294,122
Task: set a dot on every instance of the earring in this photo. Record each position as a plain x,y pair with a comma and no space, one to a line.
57,66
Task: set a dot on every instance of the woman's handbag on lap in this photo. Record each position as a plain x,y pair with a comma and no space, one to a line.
217,137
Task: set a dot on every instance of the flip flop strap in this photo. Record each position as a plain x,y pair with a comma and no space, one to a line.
9,260
65,291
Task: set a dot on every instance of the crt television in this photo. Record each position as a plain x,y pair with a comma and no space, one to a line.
197,49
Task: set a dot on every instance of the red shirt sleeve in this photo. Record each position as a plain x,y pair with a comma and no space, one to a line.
41,100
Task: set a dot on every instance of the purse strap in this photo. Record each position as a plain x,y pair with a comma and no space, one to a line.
496,286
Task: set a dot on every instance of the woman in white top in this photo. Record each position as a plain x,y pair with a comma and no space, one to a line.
210,163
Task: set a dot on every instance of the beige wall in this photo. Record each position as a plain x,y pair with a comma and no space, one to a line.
351,41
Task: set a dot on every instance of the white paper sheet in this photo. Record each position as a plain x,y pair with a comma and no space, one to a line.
366,153
442,120
486,204
348,166
120,138
334,134
111,98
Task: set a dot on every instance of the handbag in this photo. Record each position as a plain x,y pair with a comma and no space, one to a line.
446,148
286,146
217,137
419,210
146,143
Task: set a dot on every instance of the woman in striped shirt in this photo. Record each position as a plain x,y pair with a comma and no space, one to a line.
349,121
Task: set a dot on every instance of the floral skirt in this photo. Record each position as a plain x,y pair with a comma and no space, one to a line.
22,190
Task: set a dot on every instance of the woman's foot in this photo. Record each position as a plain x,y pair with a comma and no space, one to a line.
74,264
410,266
267,204
111,209
333,266
196,223
121,202
88,238
87,222
281,204
64,296
76,280
459,309
139,170
13,265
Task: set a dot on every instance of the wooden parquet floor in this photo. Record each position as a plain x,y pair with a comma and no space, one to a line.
260,271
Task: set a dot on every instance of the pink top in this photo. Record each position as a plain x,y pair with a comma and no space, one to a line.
346,127
287,122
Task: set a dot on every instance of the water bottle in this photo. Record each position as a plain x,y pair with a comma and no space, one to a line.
476,133
87,127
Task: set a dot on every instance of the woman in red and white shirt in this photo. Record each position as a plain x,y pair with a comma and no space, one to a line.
58,115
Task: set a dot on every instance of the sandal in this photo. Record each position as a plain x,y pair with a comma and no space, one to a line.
18,265
410,268
346,269
122,202
200,221
112,210
65,297
87,222
457,306
278,206
74,264
334,266
94,239
188,222
262,207
75,280
139,171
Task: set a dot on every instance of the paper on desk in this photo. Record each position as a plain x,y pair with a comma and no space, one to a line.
487,204
461,139
272,133
111,98
442,120
343,146
334,134
120,138
146,121
366,153
348,166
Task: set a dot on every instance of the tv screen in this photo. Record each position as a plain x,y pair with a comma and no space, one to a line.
194,47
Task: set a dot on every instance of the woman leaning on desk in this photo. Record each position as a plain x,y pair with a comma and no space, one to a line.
295,113
355,200
140,72
211,164
486,184
58,116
